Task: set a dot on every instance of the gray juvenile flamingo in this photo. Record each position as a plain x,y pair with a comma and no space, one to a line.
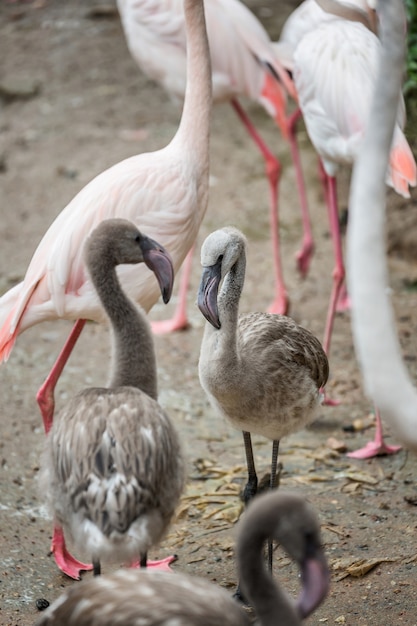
113,468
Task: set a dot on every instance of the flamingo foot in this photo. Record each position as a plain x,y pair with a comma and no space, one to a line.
372,449
304,256
343,302
163,327
68,564
330,401
163,564
326,401
280,306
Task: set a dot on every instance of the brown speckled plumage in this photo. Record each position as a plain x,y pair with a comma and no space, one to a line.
152,598
113,467
262,371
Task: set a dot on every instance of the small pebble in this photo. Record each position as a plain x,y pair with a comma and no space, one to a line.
42,604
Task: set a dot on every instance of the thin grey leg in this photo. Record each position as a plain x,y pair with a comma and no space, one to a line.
273,485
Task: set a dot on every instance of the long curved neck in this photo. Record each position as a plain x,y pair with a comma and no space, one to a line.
230,292
272,605
134,362
194,128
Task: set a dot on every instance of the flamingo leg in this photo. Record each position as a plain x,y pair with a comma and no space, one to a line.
338,271
305,254
377,447
179,320
273,171
339,268
249,492
65,561
252,485
45,395
273,485
343,301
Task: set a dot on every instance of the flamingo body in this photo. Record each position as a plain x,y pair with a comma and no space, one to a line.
244,63
166,192
334,71
243,59
56,284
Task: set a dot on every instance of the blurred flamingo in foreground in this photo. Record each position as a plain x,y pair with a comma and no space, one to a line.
386,379
166,192
244,63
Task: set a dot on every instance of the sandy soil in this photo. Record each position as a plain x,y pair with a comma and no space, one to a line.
68,90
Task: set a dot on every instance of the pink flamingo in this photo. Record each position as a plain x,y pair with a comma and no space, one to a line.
166,192
304,19
386,379
335,68
244,63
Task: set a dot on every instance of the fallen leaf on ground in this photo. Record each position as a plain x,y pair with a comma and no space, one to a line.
359,567
359,477
336,444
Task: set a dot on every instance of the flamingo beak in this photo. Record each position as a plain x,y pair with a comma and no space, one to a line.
315,579
159,261
207,294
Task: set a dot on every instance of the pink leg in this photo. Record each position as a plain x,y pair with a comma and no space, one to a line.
376,447
66,563
343,300
163,564
273,170
179,321
304,255
45,395
339,269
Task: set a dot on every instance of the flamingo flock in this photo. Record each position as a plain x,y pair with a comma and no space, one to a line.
114,464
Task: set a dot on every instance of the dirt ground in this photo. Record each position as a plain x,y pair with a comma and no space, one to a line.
68,92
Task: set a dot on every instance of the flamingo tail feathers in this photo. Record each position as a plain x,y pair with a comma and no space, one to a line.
8,336
273,98
402,168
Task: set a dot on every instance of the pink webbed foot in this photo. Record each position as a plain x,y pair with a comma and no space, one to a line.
377,447
373,448
326,401
330,401
64,560
343,301
163,327
304,256
163,564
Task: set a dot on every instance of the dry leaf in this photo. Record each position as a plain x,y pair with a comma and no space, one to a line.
359,477
336,444
314,478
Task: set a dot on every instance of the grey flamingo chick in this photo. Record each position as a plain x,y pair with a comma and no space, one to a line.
154,598
261,371
112,467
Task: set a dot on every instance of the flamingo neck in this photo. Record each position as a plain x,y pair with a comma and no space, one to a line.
194,128
230,292
133,355
270,602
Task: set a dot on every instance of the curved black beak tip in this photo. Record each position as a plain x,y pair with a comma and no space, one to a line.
159,261
207,294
